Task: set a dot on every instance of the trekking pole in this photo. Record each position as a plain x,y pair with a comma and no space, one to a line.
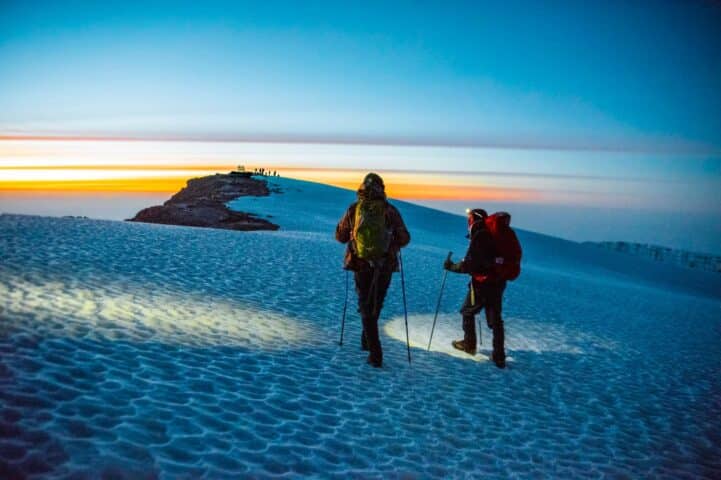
345,307
438,305
405,307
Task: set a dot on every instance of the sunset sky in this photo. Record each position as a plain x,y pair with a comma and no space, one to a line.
612,106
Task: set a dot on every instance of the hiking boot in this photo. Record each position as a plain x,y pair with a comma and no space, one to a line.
374,363
500,362
461,345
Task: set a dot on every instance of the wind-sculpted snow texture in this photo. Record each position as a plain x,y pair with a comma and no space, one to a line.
152,351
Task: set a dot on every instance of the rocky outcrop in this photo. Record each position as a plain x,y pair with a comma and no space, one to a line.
202,204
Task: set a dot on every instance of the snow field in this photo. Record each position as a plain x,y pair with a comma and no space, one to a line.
146,351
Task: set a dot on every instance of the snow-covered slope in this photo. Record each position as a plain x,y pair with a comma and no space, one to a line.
149,350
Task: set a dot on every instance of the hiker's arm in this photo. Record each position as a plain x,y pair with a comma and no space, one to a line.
401,237
343,229
463,266
453,267
459,267
478,258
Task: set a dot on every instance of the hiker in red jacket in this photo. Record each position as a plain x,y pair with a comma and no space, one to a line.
374,232
486,287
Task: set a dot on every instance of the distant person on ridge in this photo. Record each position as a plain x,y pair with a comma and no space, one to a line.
374,232
493,257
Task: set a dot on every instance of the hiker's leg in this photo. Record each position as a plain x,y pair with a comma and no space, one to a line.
363,281
370,327
383,281
469,331
494,308
378,293
471,306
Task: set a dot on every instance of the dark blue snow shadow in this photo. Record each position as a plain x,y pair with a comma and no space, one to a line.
85,407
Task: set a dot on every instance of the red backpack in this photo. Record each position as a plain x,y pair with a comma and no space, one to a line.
507,245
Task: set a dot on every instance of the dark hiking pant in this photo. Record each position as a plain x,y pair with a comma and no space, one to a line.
371,285
488,296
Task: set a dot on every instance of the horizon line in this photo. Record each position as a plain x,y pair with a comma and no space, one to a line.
382,140
219,168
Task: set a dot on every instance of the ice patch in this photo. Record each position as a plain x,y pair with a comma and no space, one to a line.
122,313
419,330
522,335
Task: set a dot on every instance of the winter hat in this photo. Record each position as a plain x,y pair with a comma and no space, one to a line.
372,186
476,217
372,180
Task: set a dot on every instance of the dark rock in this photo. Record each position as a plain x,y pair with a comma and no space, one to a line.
202,204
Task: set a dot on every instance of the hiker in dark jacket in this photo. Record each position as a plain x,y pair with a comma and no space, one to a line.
374,232
485,289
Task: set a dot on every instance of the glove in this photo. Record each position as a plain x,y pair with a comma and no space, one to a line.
448,264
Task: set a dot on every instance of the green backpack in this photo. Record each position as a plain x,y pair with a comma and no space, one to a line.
371,235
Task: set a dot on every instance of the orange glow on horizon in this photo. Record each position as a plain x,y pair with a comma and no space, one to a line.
75,165
130,167
155,185
170,179
415,186
418,191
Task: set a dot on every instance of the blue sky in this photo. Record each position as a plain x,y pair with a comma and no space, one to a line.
619,75
551,92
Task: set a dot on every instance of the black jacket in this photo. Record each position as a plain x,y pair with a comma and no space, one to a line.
481,254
